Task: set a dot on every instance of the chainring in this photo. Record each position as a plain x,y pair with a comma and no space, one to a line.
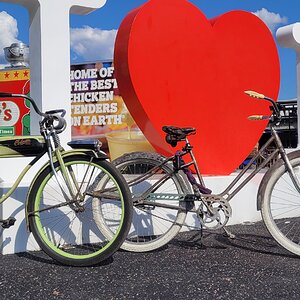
214,212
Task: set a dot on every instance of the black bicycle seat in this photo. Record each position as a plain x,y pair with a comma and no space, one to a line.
176,134
180,132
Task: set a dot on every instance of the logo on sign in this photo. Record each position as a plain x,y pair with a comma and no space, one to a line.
9,113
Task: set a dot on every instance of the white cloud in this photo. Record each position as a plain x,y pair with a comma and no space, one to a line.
272,20
93,43
8,32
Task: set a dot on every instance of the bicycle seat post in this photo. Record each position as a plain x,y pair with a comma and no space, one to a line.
188,147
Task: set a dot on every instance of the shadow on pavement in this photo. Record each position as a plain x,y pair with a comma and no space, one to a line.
40,256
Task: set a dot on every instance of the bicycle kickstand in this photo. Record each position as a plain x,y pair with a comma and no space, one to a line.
228,234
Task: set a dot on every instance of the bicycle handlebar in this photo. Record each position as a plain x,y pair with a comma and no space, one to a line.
9,95
263,97
258,117
255,94
4,95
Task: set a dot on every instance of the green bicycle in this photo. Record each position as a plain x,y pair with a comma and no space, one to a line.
59,210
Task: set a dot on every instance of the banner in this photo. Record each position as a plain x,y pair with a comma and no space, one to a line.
97,108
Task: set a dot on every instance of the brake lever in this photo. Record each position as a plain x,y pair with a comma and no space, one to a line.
56,111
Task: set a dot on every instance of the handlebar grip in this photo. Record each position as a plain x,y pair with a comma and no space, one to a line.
255,94
4,95
61,123
258,117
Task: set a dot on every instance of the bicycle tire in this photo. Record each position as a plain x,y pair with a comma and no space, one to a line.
68,233
280,205
153,227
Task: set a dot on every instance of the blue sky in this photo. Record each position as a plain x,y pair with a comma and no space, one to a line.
92,36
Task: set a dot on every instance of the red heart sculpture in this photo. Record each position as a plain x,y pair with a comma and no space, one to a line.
175,67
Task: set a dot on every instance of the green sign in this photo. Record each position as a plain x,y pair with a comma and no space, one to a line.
5,131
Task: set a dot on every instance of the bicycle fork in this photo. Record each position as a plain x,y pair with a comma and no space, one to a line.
67,173
286,161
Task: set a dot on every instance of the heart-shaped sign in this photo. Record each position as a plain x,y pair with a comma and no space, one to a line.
175,67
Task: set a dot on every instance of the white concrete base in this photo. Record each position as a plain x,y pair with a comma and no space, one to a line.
17,239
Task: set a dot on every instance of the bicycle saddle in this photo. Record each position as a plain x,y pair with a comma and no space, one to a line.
176,134
179,131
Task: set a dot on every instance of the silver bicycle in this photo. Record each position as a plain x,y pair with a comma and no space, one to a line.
164,190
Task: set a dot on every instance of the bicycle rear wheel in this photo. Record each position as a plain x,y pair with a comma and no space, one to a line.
153,226
280,205
63,224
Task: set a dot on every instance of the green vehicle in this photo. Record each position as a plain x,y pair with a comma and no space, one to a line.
63,196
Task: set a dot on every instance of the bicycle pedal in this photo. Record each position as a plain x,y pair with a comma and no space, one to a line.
8,222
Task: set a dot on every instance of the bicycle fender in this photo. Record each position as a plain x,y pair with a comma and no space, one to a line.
269,173
88,152
85,152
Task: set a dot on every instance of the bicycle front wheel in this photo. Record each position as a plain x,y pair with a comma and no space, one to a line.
153,225
62,219
280,207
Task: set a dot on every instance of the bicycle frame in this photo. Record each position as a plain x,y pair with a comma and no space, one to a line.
233,188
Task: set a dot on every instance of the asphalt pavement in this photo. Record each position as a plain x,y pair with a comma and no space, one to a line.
251,266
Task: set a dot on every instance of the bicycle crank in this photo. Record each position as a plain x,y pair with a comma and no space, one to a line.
214,212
